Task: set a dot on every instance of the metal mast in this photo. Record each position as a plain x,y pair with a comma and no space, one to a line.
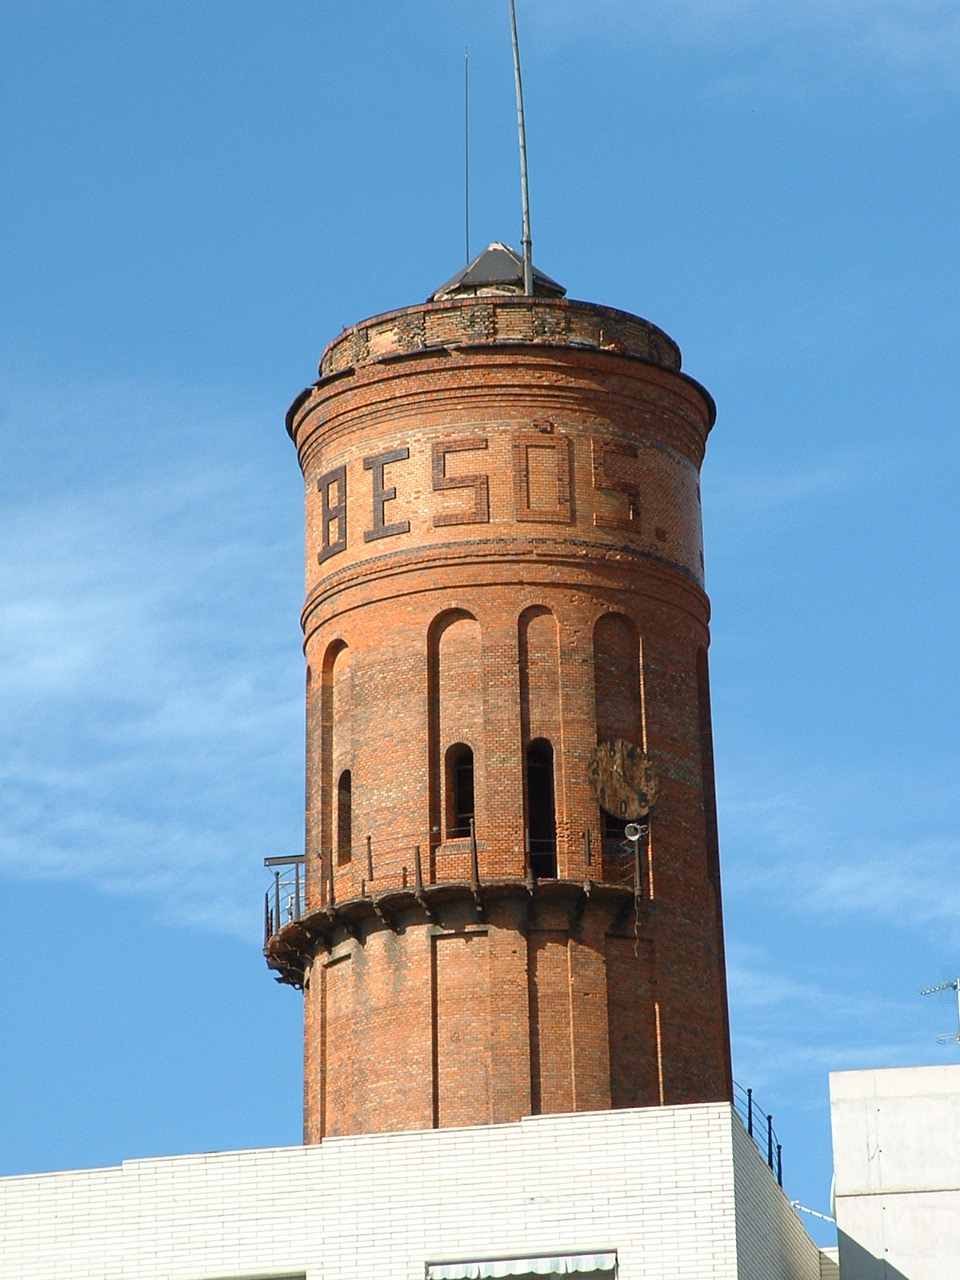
466,149
524,191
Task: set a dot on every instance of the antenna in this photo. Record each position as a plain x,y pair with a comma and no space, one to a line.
952,984
524,191
466,149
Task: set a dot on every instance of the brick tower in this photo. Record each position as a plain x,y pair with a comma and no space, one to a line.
510,900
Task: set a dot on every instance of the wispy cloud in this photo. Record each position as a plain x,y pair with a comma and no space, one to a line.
790,1031
757,495
755,984
901,37
149,675
864,855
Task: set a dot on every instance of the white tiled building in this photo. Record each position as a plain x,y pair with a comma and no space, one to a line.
671,1193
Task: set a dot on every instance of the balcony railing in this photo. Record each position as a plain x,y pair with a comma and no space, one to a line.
617,861
283,901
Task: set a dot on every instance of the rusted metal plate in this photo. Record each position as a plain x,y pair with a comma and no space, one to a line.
624,779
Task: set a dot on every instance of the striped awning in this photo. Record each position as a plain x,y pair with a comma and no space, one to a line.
564,1264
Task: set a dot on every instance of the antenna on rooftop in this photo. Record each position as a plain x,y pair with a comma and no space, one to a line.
527,243
466,150
952,984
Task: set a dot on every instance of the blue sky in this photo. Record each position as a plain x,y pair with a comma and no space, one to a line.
195,199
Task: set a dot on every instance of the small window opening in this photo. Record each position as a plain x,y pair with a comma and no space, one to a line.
460,808
617,862
614,829
541,814
344,819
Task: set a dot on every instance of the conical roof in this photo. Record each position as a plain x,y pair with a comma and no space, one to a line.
497,269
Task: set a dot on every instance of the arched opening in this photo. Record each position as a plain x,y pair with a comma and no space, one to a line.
706,767
333,742
344,818
455,712
459,780
541,812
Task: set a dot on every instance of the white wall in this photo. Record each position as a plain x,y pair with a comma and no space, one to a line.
667,1188
896,1155
771,1241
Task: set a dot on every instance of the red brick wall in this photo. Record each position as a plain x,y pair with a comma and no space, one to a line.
464,1027
503,544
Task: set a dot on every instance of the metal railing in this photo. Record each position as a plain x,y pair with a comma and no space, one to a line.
759,1125
283,901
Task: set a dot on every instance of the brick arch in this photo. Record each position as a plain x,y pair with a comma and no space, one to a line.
538,641
336,714
442,621
616,676
708,783
455,709
538,636
312,757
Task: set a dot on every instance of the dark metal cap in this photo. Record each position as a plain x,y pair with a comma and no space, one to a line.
497,269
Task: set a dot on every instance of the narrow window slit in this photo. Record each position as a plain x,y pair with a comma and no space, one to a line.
460,801
541,812
344,819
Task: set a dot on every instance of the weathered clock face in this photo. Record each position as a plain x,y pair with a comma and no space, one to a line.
624,779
